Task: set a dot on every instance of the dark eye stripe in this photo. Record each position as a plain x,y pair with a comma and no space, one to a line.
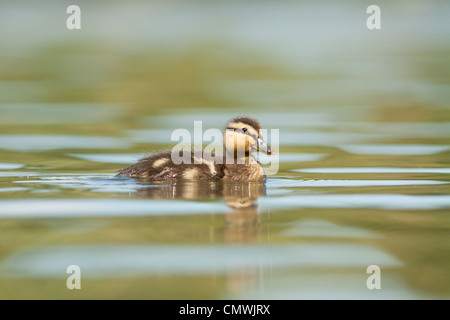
254,136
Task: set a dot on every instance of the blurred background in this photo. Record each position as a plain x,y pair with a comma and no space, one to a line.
77,105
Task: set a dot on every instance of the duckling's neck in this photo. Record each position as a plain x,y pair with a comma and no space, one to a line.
246,159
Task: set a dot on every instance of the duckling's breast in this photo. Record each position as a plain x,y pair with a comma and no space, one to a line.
250,170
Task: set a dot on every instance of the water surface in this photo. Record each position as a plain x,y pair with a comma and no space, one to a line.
364,145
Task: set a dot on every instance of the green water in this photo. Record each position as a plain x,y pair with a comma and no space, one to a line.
364,147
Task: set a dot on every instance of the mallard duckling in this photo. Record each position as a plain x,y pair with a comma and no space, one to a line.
241,137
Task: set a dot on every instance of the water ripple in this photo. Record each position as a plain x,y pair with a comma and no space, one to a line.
100,261
374,170
376,201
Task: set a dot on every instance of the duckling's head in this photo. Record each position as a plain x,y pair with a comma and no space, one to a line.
243,136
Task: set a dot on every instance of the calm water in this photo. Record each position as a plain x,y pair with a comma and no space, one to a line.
364,140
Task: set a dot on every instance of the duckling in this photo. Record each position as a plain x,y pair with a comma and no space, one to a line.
241,137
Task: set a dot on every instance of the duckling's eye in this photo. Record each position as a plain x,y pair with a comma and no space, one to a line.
244,129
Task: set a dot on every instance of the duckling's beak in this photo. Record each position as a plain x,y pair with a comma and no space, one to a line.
264,147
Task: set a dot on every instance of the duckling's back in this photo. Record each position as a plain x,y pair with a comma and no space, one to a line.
161,166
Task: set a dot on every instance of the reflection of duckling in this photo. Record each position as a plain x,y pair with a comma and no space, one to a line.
242,223
241,137
237,195
241,195
183,189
